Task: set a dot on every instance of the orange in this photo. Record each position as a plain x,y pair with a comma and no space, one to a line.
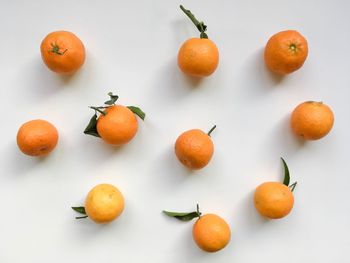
62,52
37,138
118,126
194,149
312,120
273,200
104,203
286,51
198,57
211,233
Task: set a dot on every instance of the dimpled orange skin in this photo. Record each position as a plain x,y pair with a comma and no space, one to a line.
211,233
71,47
286,52
104,203
194,149
198,57
118,126
37,138
273,200
312,120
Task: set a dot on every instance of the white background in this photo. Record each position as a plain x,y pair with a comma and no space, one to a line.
131,50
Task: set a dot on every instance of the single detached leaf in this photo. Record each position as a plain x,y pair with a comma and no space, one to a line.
79,209
91,129
183,216
138,112
113,99
286,179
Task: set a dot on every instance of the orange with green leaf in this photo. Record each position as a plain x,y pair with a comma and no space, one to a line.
198,57
210,232
114,124
103,204
275,200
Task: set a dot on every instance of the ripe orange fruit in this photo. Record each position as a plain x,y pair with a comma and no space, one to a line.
104,203
198,57
273,200
194,148
211,233
312,120
37,138
286,52
62,52
118,126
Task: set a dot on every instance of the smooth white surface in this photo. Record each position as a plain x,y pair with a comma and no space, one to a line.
131,50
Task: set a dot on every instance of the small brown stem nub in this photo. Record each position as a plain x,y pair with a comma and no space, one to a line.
211,130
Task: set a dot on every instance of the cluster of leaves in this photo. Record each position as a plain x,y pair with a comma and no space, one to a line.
80,210
91,128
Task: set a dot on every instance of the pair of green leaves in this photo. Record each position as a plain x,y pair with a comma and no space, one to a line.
200,25
184,216
286,179
91,128
80,210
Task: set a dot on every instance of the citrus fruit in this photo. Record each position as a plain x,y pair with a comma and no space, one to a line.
211,233
37,137
312,120
194,148
273,200
104,203
118,126
62,52
286,52
198,57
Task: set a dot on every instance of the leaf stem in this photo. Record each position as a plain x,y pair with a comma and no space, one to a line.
292,186
98,109
211,130
198,213
81,217
200,25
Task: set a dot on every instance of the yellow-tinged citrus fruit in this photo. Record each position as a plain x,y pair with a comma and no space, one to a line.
104,203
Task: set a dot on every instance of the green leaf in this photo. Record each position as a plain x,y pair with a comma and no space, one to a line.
183,216
138,112
91,129
286,179
113,99
79,209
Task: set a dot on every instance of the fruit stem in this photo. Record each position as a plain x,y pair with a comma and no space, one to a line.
56,49
81,217
198,213
292,186
211,130
98,109
200,25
